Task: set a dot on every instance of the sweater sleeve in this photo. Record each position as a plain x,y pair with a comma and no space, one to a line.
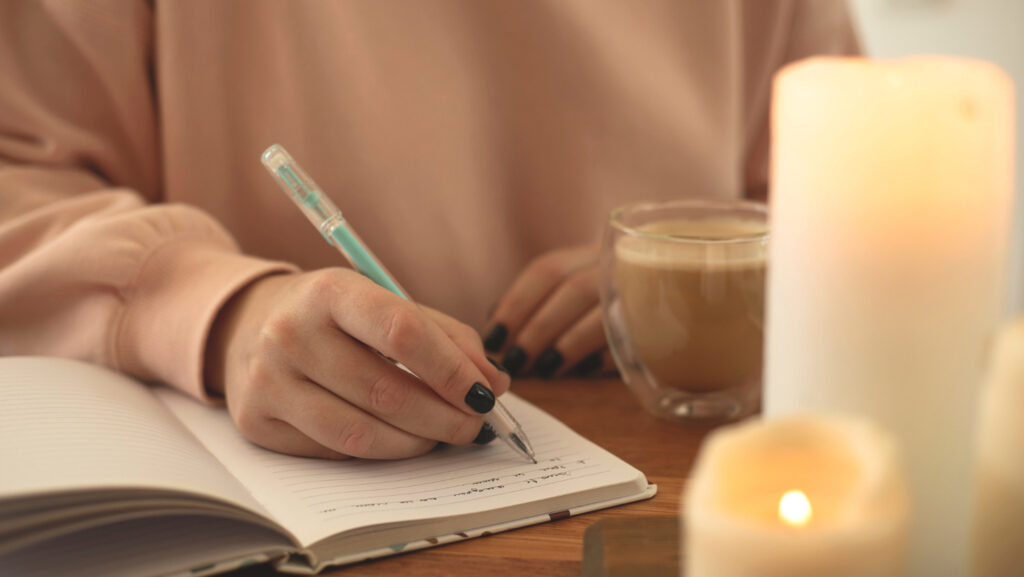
92,266
777,34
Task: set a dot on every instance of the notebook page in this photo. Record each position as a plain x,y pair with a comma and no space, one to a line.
67,425
316,498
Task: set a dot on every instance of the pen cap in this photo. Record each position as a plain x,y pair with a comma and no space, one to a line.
300,188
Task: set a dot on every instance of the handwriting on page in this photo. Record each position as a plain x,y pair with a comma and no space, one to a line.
317,498
552,470
451,475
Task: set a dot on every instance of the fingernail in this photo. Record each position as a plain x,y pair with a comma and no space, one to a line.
480,398
486,435
514,361
589,364
496,338
497,365
548,362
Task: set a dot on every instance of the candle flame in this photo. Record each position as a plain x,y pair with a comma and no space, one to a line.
795,509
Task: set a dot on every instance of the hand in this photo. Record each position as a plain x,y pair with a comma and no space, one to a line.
550,320
296,358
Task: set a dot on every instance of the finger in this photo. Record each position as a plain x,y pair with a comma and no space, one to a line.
469,341
597,364
530,289
366,380
608,366
567,304
402,331
279,436
253,408
341,427
584,338
587,366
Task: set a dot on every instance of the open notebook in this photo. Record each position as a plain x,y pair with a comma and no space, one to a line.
102,475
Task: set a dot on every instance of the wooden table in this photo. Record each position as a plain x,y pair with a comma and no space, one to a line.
603,411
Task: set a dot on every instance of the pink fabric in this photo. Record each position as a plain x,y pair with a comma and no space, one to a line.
461,139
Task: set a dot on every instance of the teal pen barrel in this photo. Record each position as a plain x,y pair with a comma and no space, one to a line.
349,243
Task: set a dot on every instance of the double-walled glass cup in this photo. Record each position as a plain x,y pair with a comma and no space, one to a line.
682,297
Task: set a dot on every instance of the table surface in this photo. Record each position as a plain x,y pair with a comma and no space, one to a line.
605,412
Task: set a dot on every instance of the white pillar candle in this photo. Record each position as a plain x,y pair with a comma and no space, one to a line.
890,212
794,497
997,548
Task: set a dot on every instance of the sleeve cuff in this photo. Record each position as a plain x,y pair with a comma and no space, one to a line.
174,301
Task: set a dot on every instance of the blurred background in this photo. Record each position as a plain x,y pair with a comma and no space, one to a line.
989,29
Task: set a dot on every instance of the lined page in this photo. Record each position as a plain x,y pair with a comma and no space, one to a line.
67,425
316,498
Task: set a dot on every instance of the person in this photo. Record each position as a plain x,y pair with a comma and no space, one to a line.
476,146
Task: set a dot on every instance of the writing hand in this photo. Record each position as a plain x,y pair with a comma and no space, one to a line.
550,320
295,357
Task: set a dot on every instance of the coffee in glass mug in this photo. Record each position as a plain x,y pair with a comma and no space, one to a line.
683,301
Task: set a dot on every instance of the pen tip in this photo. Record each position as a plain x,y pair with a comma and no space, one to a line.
522,447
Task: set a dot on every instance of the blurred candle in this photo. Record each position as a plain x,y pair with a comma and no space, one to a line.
794,497
999,493
891,204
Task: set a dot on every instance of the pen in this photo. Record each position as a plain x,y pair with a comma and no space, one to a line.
327,219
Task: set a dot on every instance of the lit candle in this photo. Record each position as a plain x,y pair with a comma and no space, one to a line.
890,212
999,492
795,509
794,497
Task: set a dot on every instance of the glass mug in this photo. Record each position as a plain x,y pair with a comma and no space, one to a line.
682,301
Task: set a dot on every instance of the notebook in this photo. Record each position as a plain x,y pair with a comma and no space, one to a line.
100,474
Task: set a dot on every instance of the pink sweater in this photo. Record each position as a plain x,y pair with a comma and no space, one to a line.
461,139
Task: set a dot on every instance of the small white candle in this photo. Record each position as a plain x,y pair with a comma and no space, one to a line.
997,549
794,497
891,194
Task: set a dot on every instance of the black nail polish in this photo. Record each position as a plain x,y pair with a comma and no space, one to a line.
480,398
589,364
497,365
548,363
515,360
486,435
496,338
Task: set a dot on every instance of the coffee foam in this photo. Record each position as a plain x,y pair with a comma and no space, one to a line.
700,243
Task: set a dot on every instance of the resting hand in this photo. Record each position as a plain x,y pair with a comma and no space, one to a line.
296,358
550,320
